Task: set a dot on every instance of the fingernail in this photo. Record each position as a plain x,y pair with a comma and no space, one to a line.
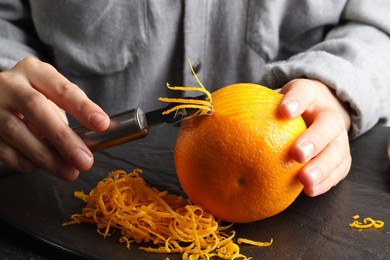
307,149
292,106
97,119
315,175
81,159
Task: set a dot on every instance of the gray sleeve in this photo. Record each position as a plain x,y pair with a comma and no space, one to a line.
17,36
353,60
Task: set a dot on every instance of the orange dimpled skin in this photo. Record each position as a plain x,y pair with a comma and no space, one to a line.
236,162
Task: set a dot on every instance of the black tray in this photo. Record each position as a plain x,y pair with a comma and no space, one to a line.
311,228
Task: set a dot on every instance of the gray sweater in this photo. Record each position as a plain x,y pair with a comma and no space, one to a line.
122,52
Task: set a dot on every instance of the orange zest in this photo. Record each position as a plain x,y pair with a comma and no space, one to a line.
122,201
253,243
367,223
204,106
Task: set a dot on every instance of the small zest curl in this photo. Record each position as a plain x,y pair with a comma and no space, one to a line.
367,223
253,243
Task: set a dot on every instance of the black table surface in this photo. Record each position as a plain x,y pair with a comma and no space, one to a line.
33,206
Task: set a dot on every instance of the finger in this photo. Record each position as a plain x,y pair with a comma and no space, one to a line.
328,168
15,159
321,132
39,111
47,80
299,95
20,140
337,175
36,131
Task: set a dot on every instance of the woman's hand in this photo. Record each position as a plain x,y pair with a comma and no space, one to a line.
325,144
33,127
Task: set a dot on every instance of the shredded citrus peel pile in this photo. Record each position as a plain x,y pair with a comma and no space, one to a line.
204,106
367,223
123,201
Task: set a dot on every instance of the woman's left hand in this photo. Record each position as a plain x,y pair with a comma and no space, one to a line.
324,146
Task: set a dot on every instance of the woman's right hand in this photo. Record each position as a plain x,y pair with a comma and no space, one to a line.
33,127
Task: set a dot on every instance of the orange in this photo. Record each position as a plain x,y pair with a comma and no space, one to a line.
235,163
